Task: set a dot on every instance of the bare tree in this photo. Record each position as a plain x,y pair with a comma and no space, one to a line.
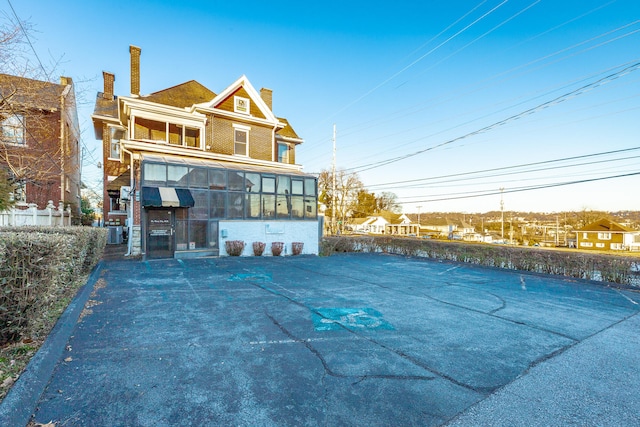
39,139
342,204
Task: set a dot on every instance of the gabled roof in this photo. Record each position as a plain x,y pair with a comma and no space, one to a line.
30,93
241,83
604,225
287,131
182,95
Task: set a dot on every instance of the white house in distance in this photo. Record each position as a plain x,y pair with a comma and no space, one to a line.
386,223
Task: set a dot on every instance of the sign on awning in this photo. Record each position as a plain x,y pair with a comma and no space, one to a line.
167,197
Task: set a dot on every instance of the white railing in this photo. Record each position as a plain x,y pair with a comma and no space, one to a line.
30,215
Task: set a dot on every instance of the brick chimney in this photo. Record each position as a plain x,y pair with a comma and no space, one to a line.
65,81
108,78
135,70
267,97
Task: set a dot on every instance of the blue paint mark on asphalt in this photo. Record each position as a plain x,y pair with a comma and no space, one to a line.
333,319
250,277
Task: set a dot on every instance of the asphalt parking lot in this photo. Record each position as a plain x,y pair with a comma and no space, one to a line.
346,340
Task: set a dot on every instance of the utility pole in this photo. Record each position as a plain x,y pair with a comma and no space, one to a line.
502,212
418,233
333,189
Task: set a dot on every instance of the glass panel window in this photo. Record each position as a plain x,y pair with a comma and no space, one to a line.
198,234
283,207
182,235
284,185
310,207
150,129
252,206
177,176
218,203
217,179
268,184
240,139
154,174
13,129
252,182
268,206
297,186
198,178
201,208
236,181
175,134
235,207
192,137
297,207
310,187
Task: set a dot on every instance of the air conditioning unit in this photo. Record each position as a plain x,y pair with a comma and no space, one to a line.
125,192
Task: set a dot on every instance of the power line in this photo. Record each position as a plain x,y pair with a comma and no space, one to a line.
521,189
571,94
544,162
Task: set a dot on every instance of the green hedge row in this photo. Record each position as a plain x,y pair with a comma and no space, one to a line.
592,266
38,267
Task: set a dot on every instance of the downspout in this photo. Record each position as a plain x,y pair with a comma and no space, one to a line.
131,199
62,138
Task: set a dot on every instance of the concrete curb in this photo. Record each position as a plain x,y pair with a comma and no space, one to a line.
19,404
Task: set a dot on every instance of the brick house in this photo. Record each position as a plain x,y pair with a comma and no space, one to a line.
186,169
40,146
606,235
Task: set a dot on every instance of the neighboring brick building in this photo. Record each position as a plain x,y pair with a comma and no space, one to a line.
40,141
606,235
186,169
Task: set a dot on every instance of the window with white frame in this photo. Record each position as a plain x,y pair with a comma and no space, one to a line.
13,129
167,132
116,135
600,245
283,153
241,140
241,105
604,236
586,244
616,246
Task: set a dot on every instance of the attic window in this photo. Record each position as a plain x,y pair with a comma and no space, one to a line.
241,105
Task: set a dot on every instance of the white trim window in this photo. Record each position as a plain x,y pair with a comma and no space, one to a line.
283,153
13,129
604,236
241,140
116,135
241,105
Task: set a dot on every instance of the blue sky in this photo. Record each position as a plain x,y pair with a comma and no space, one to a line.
466,97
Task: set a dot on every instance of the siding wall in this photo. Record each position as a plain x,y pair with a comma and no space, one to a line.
268,232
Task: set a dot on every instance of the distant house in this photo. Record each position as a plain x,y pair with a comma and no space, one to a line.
186,169
40,141
386,223
606,235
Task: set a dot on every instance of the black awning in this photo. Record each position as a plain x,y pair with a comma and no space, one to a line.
167,197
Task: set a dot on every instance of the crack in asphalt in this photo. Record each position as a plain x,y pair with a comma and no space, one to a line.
403,355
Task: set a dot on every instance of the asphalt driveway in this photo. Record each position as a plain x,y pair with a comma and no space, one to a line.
354,340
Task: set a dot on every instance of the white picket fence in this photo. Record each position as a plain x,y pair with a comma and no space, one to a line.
31,215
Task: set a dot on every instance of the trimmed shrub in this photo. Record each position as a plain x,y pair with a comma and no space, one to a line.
581,265
38,268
